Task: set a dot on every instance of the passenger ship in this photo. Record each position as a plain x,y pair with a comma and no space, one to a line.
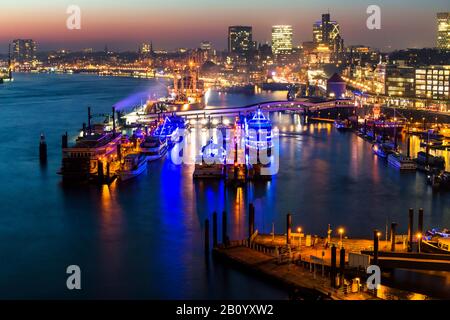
401,162
85,159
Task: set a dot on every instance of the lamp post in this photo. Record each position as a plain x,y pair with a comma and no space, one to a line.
299,231
341,233
419,240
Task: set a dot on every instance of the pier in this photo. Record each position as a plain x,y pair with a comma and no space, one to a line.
324,267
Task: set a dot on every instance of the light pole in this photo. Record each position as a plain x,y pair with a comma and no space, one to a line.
419,240
299,231
341,233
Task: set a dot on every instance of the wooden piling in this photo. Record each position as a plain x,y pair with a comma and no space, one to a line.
224,229
214,229
341,266
393,234
42,149
206,236
375,247
420,224
333,266
410,229
251,220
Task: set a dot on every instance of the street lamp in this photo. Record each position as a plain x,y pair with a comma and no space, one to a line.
299,231
419,239
341,233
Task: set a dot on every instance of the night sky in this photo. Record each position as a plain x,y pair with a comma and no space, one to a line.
172,24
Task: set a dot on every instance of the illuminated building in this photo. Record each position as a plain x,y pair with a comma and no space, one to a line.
400,81
282,39
433,82
206,45
443,30
24,50
240,39
146,48
327,32
336,87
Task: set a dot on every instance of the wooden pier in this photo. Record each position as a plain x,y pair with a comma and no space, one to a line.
327,267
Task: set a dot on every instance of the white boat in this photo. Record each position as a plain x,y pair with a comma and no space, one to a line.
134,165
401,162
154,147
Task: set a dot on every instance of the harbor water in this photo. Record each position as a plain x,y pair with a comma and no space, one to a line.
144,238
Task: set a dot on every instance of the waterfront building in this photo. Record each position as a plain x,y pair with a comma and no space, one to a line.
443,30
24,50
336,87
433,82
400,81
240,39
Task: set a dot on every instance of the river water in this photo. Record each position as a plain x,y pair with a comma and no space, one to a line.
143,238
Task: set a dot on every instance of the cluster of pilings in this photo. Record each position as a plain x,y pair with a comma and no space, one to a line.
393,234
225,238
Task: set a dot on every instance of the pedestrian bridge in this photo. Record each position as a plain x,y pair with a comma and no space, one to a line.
300,106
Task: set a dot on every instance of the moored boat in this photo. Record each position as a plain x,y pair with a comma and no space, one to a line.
401,162
154,147
382,150
343,125
436,245
134,165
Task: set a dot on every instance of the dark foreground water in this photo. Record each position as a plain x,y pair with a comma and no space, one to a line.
143,238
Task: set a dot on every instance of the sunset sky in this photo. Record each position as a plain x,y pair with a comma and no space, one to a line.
184,23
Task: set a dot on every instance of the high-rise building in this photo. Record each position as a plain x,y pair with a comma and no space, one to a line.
328,32
146,48
24,50
240,39
443,30
282,39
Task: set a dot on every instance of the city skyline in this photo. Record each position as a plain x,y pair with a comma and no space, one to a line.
173,24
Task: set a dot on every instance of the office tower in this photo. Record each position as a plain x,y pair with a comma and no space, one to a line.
328,32
282,39
240,39
146,48
24,50
433,82
443,30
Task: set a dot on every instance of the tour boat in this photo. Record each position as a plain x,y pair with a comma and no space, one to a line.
258,130
154,147
134,165
382,150
435,245
342,125
401,162
84,160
